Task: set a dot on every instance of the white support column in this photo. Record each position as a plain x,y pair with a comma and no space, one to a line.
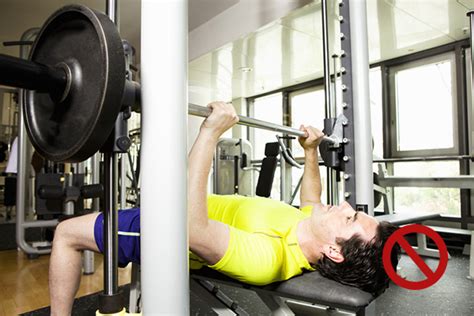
164,237
361,96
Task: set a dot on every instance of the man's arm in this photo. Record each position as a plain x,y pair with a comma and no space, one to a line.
310,193
207,238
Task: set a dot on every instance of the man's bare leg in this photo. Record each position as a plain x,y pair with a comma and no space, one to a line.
71,237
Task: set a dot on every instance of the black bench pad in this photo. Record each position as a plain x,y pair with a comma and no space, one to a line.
309,287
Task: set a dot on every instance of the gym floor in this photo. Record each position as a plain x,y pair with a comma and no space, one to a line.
452,295
24,282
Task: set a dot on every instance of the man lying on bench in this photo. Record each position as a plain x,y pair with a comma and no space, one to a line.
254,240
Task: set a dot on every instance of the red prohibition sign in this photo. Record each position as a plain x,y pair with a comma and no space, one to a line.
431,277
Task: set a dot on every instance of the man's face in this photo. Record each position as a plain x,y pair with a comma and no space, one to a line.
342,221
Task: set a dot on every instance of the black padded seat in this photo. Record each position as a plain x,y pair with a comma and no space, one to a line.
267,170
310,287
407,218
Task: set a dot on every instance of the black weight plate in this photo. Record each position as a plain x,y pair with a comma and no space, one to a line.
88,42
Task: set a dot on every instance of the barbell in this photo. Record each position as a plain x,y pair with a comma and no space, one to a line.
202,111
75,81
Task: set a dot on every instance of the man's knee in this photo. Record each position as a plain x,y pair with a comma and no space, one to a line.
63,233
77,233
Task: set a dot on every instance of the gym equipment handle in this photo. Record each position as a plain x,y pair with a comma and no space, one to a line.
92,191
26,74
202,111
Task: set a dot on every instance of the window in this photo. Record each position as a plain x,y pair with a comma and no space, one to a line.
424,107
268,108
307,108
424,123
376,103
433,200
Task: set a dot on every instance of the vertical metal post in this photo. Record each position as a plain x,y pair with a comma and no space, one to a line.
387,146
110,300
334,194
165,280
68,207
470,14
88,257
326,66
22,172
283,180
347,104
123,181
463,128
111,8
23,190
285,169
333,184
88,262
329,106
95,178
110,225
331,189
336,71
471,257
361,95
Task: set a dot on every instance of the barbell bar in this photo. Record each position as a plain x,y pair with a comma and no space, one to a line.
21,73
197,110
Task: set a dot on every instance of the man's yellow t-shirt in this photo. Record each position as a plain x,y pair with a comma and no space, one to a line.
263,247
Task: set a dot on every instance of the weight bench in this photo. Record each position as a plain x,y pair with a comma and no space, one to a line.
309,290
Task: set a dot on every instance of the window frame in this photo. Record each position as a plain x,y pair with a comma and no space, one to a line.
393,119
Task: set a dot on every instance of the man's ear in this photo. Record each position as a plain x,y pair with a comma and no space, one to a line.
333,252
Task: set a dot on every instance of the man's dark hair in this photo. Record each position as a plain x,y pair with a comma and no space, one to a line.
362,266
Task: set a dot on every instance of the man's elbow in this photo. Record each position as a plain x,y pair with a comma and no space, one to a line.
197,229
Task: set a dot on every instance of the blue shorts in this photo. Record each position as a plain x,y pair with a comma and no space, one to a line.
128,235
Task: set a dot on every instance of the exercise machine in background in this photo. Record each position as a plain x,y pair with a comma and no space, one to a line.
231,168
